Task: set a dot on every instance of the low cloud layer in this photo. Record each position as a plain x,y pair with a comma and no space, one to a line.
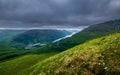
59,13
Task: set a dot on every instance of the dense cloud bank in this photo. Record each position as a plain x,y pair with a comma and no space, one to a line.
65,13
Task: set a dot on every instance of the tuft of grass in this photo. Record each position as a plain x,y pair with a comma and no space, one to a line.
97,57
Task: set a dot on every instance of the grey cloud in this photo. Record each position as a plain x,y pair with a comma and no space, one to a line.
39,13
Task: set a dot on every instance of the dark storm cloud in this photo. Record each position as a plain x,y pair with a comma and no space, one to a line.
40,13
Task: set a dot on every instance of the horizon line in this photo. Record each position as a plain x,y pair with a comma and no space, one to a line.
78,28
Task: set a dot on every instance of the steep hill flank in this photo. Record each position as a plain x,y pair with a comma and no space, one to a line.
97,57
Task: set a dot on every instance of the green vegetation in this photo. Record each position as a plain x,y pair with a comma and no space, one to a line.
15,66
8,53
96,57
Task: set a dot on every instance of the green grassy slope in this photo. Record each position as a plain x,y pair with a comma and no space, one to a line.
13,67
96,57
8,53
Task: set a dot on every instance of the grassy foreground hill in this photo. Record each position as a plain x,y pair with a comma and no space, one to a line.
15,66
97,57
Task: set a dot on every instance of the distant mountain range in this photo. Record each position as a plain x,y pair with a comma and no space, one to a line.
81,37
21,38
26,39
7,35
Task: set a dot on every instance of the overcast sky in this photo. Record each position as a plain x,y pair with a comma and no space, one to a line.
56,13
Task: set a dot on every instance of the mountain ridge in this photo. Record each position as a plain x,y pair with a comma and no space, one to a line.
36,36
